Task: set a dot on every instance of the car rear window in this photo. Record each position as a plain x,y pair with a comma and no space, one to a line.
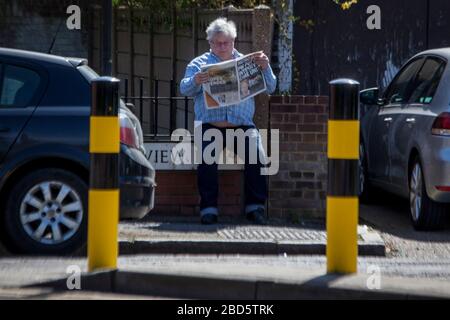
18,86
399,90
87,73
427,81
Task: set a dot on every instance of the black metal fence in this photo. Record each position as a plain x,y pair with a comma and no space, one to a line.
159,114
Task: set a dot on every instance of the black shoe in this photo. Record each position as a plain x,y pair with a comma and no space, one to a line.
257,217
209,219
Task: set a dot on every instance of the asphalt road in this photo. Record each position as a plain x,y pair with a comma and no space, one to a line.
390,216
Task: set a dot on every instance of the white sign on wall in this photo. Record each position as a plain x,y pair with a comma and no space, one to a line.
163,157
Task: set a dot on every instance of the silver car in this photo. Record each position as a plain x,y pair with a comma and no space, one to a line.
405,138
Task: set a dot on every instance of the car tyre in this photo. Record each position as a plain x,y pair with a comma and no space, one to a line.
425,213
46,213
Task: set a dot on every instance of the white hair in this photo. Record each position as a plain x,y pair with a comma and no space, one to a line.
221,25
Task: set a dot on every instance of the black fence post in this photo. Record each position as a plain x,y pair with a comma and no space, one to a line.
126,90
151,114
141,99
107,25
155,130
173,107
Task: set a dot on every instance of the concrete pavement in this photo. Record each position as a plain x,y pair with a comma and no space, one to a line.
164,236
225,277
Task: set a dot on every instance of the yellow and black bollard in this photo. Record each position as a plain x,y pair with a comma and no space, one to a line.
343,177
104,147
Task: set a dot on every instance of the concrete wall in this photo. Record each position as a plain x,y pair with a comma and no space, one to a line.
34,25
337,43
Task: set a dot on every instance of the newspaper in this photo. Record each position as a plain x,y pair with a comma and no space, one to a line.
233,81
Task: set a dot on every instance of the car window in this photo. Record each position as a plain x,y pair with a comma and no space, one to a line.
400,89
19,86
427,81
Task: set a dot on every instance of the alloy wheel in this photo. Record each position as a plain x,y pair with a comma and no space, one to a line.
415,193
51,212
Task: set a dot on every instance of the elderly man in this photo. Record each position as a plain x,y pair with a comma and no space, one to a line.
221,35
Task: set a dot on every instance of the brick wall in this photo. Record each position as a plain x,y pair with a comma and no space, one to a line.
177,193
32,25
299,189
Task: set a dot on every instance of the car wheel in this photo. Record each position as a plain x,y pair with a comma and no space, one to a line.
365,190
46,213
426,214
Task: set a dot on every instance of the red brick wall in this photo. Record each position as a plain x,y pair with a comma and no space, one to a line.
299,189
177,193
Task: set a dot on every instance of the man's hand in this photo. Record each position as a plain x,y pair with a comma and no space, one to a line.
261,60
201,78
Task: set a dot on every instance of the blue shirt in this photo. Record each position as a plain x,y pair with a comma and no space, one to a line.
239,114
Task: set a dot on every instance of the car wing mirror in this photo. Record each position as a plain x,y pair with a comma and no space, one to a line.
131,107
369,96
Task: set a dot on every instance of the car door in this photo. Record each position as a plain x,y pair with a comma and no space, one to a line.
395,97
405,129
20,91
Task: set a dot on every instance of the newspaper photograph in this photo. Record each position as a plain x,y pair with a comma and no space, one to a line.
233,81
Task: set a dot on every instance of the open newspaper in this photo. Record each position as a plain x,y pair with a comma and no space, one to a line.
232,81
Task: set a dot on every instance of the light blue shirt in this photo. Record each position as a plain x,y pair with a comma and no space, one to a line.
239,114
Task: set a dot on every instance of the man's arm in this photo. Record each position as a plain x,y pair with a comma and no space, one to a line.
271,80
263,62
188,85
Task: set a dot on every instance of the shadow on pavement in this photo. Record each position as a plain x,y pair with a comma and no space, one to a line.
192,224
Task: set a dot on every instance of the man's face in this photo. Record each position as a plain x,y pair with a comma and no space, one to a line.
222,46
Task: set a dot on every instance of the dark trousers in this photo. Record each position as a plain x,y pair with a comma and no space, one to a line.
207,174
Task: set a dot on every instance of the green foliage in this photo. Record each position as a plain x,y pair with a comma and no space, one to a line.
162,6
346,4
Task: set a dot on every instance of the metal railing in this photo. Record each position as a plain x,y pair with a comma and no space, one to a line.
153,130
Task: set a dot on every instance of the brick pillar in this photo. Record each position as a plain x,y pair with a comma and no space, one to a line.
262,40
299,189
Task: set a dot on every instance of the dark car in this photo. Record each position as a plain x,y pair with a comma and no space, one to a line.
406,138
44,154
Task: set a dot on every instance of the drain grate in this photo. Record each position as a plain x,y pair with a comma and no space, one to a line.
284,234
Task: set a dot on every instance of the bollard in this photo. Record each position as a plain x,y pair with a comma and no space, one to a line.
104,148
343,184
